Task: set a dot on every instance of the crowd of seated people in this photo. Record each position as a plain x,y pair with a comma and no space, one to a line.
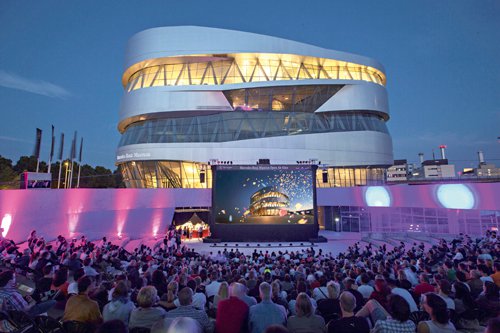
100,286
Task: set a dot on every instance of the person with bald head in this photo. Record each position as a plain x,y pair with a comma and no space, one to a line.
232,313
348,323
186,309
266,313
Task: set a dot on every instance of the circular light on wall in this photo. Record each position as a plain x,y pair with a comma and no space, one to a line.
455,196
377,196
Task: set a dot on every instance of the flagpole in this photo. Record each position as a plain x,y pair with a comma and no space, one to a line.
59,177
80,164
61,148
51,151
73,154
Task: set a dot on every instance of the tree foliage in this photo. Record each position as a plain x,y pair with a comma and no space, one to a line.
90,177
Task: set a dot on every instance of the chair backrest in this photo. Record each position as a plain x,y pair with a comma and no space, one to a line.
418,316
20,319
48,324
77,327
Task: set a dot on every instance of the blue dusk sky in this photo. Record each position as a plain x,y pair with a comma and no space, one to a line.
61,63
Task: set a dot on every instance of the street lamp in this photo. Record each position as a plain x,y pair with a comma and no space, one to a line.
66,163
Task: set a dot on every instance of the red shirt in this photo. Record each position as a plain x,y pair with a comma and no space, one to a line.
423,288
232,315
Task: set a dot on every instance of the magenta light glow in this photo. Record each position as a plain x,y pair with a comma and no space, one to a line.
157,217
6,222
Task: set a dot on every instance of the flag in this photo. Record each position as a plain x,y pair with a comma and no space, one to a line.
52,145
61,147
38,142
81,148
73,148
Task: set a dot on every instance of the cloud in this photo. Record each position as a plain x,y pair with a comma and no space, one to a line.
10,138
14,81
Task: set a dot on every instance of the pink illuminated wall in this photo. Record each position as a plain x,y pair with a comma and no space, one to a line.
486,196
138,213
134,213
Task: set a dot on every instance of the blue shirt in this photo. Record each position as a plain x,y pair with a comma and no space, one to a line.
265,314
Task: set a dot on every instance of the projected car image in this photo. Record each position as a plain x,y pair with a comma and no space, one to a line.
264,195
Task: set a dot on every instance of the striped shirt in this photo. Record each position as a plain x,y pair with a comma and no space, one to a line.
394,326
11,299
190,311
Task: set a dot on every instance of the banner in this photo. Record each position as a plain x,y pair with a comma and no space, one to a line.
52,145
61,147
73,148
38,142
81,148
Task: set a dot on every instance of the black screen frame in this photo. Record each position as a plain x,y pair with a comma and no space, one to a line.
263,232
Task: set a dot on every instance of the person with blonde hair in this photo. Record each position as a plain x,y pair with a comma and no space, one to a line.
146,315
172,289
305,320
327,307
222,294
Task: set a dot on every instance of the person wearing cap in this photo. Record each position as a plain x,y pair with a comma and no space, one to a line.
381,291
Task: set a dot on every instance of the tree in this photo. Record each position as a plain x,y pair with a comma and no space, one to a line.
119,183
28,163
8,177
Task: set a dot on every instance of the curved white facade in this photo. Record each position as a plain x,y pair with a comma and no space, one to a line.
195,94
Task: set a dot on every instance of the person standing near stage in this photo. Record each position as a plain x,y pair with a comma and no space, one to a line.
178,240
200,232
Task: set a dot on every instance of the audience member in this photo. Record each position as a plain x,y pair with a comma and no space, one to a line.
348,323
266,313
146,315
305,320
80,307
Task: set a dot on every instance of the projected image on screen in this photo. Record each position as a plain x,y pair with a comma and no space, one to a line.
264,194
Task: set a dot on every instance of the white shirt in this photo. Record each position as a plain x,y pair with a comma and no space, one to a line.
320,293
89,271
365,290
212,289
407,296
450,303
73,288
486,279
199,301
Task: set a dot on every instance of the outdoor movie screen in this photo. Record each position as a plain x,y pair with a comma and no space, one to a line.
264,194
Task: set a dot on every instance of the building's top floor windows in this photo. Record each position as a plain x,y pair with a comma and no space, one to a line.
233,69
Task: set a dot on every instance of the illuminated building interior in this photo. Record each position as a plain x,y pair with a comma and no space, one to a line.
244,68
